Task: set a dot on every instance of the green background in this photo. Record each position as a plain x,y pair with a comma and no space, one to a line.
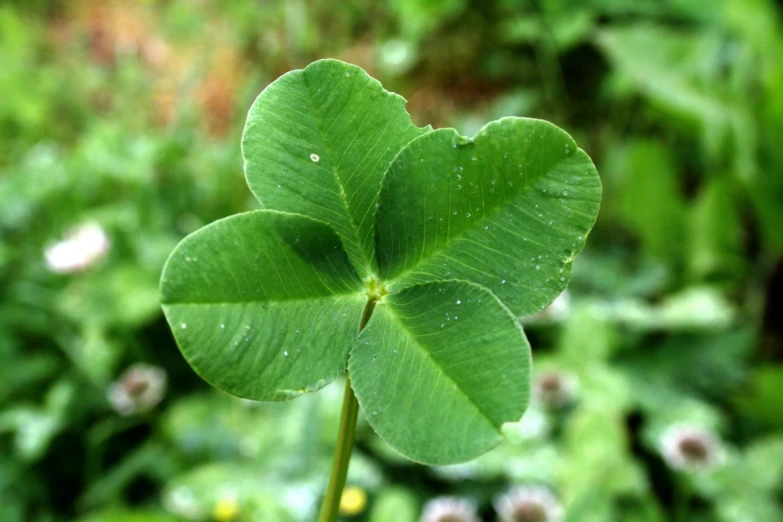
129,114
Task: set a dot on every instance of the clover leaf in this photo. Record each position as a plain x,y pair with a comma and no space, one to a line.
402,254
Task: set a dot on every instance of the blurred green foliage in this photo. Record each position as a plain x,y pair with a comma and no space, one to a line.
128,115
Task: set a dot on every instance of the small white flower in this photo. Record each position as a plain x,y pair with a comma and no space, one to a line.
182,501
529,504
690,448
449,509
84,246
554,389
138,390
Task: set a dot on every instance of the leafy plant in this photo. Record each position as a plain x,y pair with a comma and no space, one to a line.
403,254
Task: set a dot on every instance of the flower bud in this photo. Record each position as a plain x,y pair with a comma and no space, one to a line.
529,504
138,390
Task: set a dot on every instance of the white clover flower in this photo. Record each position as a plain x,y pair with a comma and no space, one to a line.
529,504
690,448
138,390
449,509
84,246
554,389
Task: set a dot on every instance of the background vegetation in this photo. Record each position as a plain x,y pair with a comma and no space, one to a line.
127,116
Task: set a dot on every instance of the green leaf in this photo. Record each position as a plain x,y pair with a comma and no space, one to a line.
127,515
263,305
395,504
508,209
716,231
318,141
763,396
438,370
650,200
668,67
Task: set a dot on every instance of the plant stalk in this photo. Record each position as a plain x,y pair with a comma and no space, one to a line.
682,499
345,439
342,455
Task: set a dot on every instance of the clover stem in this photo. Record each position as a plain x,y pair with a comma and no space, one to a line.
342,453
682,499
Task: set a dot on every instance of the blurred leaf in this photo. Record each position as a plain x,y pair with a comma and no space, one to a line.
760,468
762,400
23,372
395,505
291,436
651,202
671,68
123,296
34,428
715,235
766,192
590,505
697,308
94,354
570,27
713,365
598,454
690,310
194,495
614,274
587,337
644,509
534,463
120,515
748,507
417,17
150,459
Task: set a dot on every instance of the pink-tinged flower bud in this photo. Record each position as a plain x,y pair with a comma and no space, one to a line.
138,390
555,389
449,509
690,448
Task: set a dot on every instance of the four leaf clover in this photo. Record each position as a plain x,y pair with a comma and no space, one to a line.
436,241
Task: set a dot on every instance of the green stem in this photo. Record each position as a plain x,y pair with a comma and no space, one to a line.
682,500
345,439
342,455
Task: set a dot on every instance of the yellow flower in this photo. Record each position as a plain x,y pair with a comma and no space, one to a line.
353,501
226,509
